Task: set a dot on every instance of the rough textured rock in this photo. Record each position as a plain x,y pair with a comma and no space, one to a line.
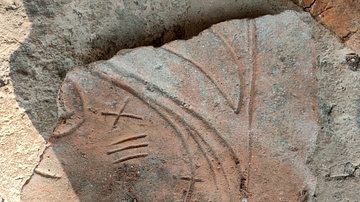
69,33
340,16
20,143
228,115
40,40
336,158
53,36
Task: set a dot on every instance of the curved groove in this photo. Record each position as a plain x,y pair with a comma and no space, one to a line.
126,158
47,174
177,102
233,54
127,148
70,131
253,51
79,124
212,170
190,128
81,96
173,99
223,141
173,125
186,125
143,135
228,100
190,111
167,119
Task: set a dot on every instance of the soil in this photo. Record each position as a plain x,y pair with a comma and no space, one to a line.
41,40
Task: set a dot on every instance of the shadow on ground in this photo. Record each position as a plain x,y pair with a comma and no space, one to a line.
68,33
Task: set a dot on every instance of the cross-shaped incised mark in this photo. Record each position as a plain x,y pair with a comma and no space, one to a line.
118,115
190,190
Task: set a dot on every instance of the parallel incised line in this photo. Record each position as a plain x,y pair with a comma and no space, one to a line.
251,105
126,158
139,136
239,65
198,66
126,148
223,142
133,146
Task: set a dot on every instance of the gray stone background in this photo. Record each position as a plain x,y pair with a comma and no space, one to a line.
40,40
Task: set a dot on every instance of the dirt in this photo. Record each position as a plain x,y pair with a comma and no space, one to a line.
41,40
20,143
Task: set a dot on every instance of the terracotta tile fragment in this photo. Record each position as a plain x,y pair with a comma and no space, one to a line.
228,115
304,3
340,16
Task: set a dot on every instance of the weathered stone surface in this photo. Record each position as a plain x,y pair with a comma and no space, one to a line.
20,143
340,16
40,40
226,116
337,145
69,33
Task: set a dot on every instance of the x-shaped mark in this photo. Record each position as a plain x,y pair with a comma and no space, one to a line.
121,113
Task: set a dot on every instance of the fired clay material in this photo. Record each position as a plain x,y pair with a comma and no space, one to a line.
228,115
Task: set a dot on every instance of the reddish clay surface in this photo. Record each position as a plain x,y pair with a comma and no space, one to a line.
229,115
340,16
